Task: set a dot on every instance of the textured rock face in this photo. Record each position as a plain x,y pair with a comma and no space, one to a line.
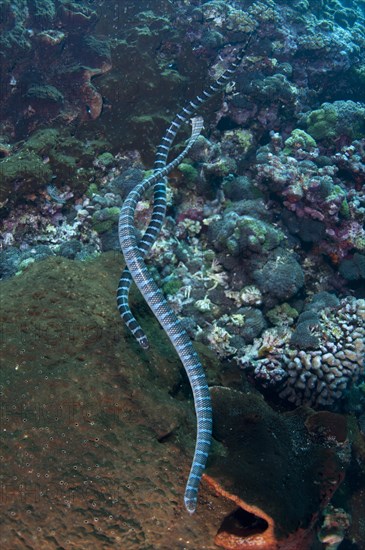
301,456
49,57
93,444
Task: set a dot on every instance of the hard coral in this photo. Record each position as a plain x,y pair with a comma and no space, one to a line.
333,120
243,234
322,205
327,360
280,277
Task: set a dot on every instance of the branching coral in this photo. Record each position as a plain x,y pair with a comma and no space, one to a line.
323,357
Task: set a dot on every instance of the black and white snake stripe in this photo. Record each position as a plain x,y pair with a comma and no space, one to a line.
169,321
159,197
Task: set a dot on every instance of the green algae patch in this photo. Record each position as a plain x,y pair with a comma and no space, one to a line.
239,141
346,118
97,47
103,220
150,23
23,171
42,140
189,171
299,139
46,154
172,286
60,144
321,123
43,10
91,190
105,160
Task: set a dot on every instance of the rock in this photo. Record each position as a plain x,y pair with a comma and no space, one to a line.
273,473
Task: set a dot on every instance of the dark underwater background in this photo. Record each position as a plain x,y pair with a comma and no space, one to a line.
262,256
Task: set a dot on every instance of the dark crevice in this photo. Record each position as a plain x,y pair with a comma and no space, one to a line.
242,524
226,123
165,437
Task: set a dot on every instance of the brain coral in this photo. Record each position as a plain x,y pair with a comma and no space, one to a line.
319,375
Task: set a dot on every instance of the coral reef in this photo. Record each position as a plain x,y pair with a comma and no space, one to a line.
320,207
61,59
316,363
75,58
336,121
262,257
48,155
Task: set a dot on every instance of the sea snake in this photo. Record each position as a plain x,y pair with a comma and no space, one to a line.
167,318
159,196
134,252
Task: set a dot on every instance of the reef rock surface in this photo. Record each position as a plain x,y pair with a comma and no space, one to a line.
98,435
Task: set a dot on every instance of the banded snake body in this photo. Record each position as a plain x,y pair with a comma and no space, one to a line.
134,251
